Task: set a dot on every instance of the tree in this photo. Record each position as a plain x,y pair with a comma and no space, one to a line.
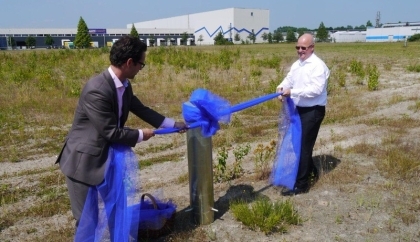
220,39
340,28
134,32
237,37
200,38
30,41
360,27
287,28
49,40
414,37
264,36
184,38
82,39
291,37
369,24
300,32
278,35
252,37
270,37
322,33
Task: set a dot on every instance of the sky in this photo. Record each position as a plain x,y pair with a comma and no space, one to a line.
119,13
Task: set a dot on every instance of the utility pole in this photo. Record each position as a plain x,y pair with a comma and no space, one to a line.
378,19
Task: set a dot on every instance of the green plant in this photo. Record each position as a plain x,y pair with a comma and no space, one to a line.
414,37
263,156
413,67
373,77
239,152
341,76
220,168
265,215
356,67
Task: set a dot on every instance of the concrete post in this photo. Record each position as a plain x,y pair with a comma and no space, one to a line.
200,170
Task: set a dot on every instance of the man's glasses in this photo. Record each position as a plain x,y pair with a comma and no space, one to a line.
142,65
302,47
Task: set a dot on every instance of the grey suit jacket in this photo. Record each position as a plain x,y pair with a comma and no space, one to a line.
95,127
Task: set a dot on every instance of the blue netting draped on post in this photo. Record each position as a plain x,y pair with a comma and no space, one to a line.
206,110
286,162
112,209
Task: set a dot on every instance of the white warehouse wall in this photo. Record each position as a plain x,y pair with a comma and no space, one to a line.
391,34
245,23
348,36
180,22
208,24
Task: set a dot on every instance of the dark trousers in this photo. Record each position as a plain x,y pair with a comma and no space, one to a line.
311,119
77,193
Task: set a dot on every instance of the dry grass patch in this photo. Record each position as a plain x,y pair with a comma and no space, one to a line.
347,170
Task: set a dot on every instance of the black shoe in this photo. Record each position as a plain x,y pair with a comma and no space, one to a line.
295,191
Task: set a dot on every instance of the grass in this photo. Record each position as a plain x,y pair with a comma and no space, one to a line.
40,90
266,216
159,159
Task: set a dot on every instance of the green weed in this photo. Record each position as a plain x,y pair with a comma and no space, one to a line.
266,216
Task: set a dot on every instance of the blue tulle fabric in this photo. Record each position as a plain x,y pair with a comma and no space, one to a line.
286,163
112,211
206,110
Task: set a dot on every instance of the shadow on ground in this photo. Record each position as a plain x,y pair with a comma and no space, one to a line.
184,221
325,163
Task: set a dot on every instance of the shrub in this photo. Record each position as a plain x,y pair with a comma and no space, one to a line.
373,78
265,215
415,37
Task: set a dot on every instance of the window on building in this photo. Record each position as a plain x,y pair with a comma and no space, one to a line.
252,13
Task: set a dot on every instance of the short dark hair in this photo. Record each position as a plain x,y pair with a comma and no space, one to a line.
126,47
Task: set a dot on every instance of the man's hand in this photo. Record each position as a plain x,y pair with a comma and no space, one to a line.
280,90
147,134
181,126
286,93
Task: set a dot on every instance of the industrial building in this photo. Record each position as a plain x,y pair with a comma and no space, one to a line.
392,32
236,25
199,27
348,36
100,37
207,25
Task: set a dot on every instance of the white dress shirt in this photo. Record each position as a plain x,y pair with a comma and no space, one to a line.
308,82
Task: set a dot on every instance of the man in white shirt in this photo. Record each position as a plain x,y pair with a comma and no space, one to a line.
306,84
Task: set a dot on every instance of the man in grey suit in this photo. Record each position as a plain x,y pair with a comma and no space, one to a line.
99,120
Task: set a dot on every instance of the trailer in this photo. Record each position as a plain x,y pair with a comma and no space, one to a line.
64,41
